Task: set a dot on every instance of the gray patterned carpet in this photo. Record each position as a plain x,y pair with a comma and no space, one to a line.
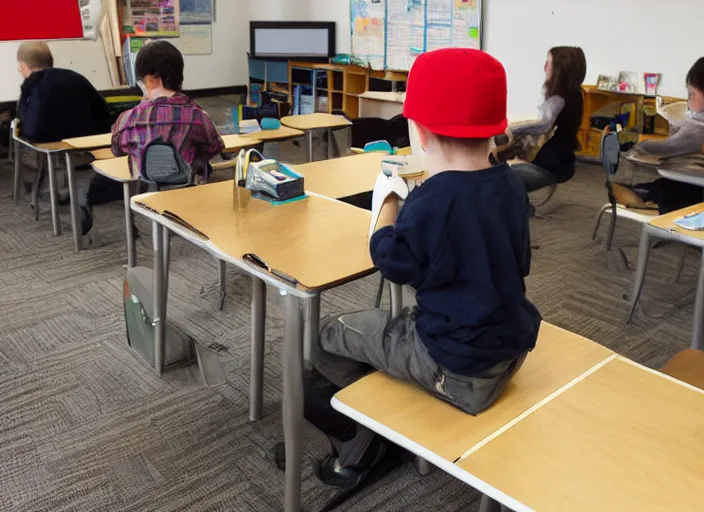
85,426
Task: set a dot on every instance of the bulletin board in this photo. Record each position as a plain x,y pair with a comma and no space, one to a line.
390,34
40,19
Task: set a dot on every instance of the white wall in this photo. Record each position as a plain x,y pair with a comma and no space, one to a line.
624,35
227,66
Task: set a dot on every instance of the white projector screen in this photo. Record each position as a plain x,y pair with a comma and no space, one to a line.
292,39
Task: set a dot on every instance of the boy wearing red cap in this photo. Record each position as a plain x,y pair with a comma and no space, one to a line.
462,242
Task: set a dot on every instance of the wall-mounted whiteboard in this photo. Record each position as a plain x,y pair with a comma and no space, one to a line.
390,34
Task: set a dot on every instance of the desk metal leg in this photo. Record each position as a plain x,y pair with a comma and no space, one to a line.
396,299
293,401
698,326
166,262
53,195
330,144
256,381
491,505
17,191
159,296
311,330
643,256
73,198
129,226
310,145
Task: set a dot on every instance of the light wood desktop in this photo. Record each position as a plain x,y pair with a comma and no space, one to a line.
103,140
117,169
293,238
624,438
310,122
666,222
342,177
102,154
315,121
235,142
385,105
412,413
273,135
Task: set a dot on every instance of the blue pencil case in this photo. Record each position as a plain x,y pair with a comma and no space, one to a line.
693,221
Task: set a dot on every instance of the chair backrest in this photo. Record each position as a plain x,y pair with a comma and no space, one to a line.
164,167
378,145
610,157
610,152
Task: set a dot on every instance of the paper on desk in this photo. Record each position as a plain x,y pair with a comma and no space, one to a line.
383,188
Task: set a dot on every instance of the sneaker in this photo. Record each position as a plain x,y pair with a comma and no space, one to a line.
330,472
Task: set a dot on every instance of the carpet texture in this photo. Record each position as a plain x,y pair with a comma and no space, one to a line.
86,426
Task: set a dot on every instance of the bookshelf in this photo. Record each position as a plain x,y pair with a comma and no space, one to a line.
335,88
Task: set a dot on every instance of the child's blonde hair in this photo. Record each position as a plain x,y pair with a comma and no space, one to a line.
36,55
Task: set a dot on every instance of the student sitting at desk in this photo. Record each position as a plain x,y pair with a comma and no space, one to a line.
462,242
56,104
565,69
165,113
689,139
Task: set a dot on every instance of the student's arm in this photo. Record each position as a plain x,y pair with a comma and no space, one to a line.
206,138
120,134
688,139
551,109
392,248
99,108
30,112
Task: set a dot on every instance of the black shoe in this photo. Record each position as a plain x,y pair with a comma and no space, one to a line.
330,472
86,220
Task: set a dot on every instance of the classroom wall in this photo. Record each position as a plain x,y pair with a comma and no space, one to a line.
227,66
628,35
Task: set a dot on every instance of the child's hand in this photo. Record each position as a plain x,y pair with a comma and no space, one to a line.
386,190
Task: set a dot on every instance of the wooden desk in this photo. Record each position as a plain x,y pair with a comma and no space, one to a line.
663,227
310,122
385,105
273,135
650,136
234,142
417,419
317,241
91,142
293,238
50,150
624,438
102,154
316,121
342,177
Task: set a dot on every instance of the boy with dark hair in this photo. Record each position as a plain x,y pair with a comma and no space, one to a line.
165,113
462,242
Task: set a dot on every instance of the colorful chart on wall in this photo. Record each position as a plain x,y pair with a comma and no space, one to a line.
369,32
390,34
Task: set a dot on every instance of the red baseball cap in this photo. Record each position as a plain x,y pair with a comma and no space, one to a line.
457,92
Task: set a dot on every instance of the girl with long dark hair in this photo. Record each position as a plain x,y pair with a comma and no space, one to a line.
565,69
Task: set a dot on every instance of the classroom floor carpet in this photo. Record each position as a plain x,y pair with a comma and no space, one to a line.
85,426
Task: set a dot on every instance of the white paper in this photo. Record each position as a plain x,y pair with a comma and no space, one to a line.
195,40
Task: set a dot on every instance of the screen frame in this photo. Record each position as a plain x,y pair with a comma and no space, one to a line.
330,26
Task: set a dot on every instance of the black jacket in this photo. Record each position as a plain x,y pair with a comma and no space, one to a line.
58,104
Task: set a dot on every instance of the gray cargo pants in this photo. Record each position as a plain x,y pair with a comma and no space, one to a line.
353,344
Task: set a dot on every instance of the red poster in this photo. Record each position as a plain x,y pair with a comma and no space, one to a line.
40,19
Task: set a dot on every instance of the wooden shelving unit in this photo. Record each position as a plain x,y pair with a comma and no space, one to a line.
336,87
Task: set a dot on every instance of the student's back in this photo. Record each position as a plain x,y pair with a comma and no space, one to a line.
469,244
58,104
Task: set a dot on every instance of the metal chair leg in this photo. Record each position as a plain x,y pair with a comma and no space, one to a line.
380,292
597,221
643,256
